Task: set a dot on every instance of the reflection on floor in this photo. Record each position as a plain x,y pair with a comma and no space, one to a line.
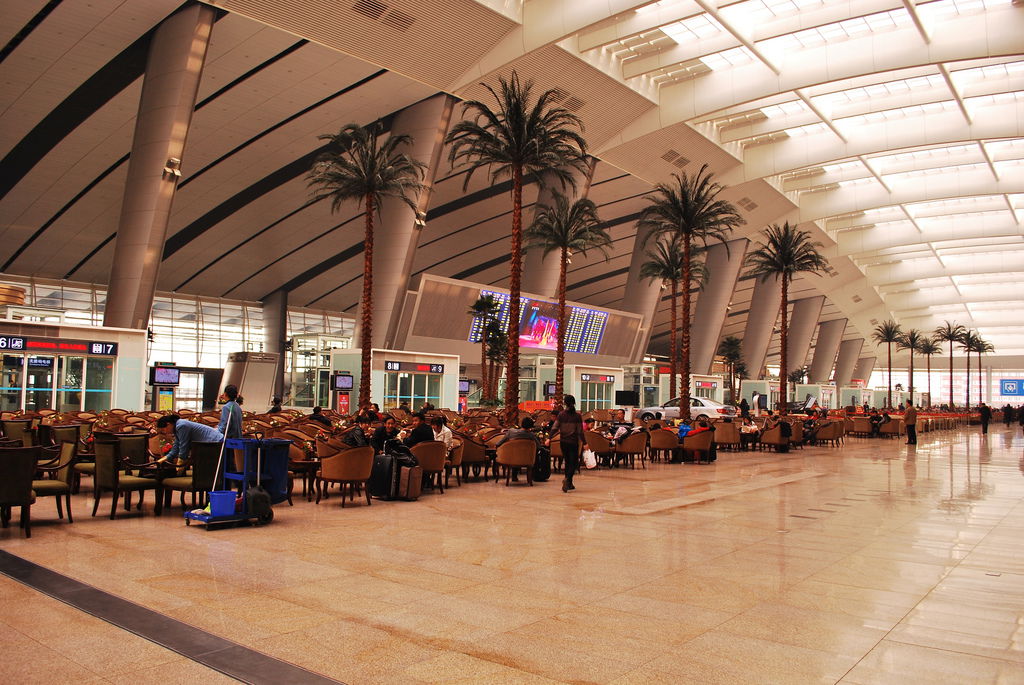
875,562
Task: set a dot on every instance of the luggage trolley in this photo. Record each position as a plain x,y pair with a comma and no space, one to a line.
265,462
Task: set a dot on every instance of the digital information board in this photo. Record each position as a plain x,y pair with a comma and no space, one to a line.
1013,387
538,324
20,344
415,367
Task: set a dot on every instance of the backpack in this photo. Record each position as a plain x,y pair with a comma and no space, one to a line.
785,430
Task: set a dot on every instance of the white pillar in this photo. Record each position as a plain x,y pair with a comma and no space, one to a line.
641,295
830,335
801,328
275,332
173,69
764,311
724,262
865,365
397,233
849,353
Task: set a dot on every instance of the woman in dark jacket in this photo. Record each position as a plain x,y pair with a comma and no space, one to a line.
569,426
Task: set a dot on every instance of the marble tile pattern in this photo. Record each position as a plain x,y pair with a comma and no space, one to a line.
875,562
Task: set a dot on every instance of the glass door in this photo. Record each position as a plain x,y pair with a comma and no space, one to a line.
70,383
99,386
11,385
39,381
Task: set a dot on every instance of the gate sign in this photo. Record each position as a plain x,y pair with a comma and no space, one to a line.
1011,386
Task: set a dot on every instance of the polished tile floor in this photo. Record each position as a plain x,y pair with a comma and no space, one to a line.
871,563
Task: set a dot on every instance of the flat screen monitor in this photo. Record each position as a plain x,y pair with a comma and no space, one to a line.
539,326
627,398
164,375
463,386
549,389
343,381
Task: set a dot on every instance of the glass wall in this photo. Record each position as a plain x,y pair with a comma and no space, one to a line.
10,391
70,377
99,383
412,388
596,395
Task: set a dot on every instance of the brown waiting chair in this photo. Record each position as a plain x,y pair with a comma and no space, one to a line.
474,456
17,466
632,447
521,453
699,445
204,476
109,477
727,435
603,449
349,468
663,445
431,457
61,478
19,429
773,438
454,463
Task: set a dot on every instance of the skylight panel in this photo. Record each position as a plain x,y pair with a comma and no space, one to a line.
692,28
784,109
809,129
728,58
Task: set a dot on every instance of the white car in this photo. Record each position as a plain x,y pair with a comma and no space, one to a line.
699,406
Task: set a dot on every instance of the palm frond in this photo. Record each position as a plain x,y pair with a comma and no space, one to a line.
786,252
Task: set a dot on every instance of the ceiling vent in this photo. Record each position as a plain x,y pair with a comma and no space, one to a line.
857,298
874,322
573,103
398,20
680,163
370,8
670,155
747,204
564,100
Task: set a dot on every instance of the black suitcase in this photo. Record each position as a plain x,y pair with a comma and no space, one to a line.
383,483
542,466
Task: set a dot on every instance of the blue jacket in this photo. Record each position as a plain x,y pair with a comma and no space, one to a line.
230,424
187,431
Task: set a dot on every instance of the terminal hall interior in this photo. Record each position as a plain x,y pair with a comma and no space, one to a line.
174,222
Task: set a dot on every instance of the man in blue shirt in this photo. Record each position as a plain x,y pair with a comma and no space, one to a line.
184,433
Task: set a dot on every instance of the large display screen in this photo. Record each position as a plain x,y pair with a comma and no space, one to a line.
538,324
164,375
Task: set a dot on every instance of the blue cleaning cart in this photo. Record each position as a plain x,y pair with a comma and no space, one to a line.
264,462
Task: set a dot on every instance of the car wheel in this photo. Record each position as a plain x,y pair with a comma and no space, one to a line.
646,416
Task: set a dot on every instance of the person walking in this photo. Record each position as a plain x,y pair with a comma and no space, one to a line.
569,426
985,413
910,421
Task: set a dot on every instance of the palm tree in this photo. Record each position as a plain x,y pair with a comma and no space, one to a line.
982,347
359,167
887,333
787,251
731,351
497,355
688,209
570,229
665,263
950,333
929,347
522,137
969,343
486,310
911,341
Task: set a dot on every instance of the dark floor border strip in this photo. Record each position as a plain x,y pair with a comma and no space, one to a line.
217,653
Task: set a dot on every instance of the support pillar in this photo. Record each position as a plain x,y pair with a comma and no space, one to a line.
801,328
723,263
540,272
641,295
830,334
764,312
398,232
275,333
173,70
865,365
849,353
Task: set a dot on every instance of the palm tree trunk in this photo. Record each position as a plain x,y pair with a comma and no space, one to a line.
560,349
783,357
673,360
514,286
928,357
483,362
951,375
888,396
968,395
684,391
981,394
366,336
911,376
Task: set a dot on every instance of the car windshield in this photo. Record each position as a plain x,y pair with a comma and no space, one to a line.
674,402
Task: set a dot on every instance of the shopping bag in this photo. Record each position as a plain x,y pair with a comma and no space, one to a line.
589,458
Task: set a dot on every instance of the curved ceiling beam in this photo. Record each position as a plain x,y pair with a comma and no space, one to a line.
954,265
868,239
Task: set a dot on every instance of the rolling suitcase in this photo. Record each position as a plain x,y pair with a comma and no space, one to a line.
410,483
383,482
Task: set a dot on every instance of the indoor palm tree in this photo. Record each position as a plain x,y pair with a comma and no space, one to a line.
911,341
570,229
731,352
520,137
950,333
969,343
359,167
665,263
887,333
786,252
486,310
929,347
689,210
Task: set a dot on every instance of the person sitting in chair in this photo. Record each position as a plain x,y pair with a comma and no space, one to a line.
319,417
